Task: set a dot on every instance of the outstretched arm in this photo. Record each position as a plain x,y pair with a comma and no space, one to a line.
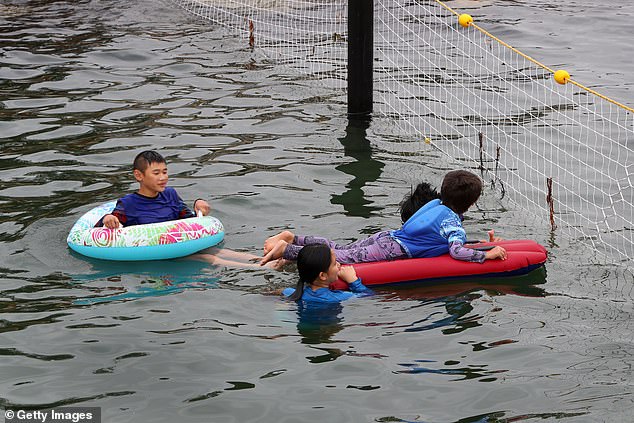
458,251
202,206
183,211
496,253
452,230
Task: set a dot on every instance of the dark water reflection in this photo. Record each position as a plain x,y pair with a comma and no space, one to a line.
365,169
86,85
106,282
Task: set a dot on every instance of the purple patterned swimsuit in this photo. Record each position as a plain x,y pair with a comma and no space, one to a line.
382,246
378,247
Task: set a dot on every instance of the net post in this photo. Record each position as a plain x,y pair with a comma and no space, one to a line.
360,57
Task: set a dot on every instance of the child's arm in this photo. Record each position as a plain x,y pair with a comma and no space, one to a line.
199,205
496,253
452,229
111,221
458,251
115,219
349,275
202,206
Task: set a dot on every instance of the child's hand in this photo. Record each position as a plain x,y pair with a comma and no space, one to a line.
201,206
496,253
111,221
347,274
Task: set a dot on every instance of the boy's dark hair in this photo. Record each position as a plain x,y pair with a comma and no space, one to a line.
460,189
145,159
311,261
422,195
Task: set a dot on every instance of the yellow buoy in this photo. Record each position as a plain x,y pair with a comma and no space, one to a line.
465,20
561,76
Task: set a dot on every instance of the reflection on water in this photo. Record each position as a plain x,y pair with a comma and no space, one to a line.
318,323
450,312
457,315
365,169
107,280
524,285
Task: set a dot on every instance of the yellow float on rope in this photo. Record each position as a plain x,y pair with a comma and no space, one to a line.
561,76
465,20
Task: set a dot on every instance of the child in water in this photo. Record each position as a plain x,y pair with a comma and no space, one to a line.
318,268
431,228
154,202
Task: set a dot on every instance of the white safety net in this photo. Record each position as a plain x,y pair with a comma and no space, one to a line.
456,91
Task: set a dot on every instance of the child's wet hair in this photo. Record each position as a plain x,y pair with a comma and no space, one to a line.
460,190
145,159
311,261
421,195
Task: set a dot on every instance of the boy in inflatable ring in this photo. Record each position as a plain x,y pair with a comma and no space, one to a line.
154,202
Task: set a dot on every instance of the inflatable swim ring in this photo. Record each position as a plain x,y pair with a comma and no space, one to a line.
155,241
523,257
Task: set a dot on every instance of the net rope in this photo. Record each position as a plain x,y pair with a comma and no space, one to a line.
458,91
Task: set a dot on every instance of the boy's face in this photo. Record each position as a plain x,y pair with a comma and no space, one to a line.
154,179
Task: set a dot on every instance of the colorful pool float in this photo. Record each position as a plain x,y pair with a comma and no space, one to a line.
155,241
523,257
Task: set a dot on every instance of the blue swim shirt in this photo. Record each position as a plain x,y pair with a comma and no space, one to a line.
430,230
136,209
325,295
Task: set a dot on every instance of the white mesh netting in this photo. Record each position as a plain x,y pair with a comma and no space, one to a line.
442,85
308,35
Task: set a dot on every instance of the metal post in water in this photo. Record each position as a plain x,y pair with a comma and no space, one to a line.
360,57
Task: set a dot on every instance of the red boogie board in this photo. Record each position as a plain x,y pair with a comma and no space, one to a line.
523,256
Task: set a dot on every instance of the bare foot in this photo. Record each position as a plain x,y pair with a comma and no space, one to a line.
275,264
278,264
492,237
275,253
271,242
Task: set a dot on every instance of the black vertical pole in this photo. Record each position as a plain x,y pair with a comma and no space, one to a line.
360,57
